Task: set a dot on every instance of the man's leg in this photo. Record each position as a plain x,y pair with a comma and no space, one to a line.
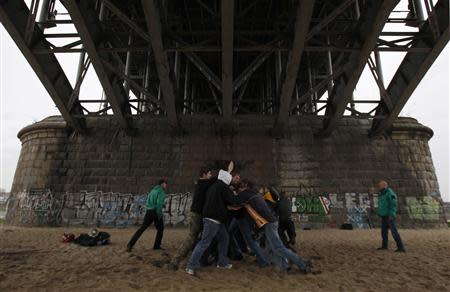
159,224
195,222
280,262
291,231
281,232
210,230
271,231
396,235
245,229
384,232
223,239
148,219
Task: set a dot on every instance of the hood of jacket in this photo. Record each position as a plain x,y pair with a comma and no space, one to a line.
224,176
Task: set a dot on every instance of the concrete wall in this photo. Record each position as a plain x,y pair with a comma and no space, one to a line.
57,169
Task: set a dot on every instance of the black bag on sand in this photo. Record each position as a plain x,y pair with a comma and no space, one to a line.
347,226
100,238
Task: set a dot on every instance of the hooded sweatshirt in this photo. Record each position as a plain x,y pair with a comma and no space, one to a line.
217,197
155,200
198,200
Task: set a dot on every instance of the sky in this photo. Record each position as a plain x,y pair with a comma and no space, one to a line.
24,100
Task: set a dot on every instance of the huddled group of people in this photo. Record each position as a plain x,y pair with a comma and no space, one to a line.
230,217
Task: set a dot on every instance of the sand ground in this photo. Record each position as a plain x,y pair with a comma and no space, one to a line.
34,259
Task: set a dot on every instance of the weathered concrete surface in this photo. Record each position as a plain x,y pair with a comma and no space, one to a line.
330,178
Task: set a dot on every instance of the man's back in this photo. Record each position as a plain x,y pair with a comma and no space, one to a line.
257,202
217,197
198,200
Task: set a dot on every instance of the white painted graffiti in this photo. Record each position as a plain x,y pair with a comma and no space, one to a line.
93,208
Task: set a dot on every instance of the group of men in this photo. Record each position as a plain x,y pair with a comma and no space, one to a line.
230,216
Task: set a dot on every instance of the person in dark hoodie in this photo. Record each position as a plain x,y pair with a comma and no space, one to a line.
282,206
266,219
215,215
195,216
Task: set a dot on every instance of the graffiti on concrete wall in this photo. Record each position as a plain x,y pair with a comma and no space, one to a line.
42,207
350,207
423,208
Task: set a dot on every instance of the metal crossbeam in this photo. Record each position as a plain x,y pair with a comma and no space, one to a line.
369,28
161,60
304,14
329,18
14,16
414,67
227,58
88,27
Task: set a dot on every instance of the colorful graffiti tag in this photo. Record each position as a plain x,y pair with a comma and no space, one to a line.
327,208
42,207
423,208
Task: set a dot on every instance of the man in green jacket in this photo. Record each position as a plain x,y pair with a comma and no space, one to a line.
387,210
154,213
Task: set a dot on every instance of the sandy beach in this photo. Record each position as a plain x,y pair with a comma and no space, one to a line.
34,259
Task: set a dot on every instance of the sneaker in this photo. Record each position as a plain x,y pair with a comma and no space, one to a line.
400,250
158,248
227,266
190,271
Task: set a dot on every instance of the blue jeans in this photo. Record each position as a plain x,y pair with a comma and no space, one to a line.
210,230
278,250
246,231
387,224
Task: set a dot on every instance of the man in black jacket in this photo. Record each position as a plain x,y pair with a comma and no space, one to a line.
215,214
195,217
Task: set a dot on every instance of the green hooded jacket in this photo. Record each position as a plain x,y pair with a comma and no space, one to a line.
155,200
387,203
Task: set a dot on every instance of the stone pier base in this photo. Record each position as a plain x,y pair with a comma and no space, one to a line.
102,177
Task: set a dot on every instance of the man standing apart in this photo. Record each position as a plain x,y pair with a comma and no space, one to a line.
387,210
154,213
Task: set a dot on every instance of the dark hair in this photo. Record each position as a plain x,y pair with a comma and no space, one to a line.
204,170
245,183
162,181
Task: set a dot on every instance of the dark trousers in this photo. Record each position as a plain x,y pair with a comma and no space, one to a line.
149,218
287,227
387,224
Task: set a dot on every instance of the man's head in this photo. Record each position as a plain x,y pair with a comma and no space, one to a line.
163,183
205,173
382,185
236,178
244,184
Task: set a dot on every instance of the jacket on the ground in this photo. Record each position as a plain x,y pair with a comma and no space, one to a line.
198,200
155,200
256,201
217,197
387,203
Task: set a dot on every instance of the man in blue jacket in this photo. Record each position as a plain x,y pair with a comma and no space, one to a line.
154,213
387,210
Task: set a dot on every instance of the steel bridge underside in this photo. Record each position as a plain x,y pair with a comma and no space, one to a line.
229,58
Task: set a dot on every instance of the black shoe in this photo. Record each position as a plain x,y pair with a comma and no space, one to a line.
400,250
172,267
382,248
158,248
306,270
128,249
